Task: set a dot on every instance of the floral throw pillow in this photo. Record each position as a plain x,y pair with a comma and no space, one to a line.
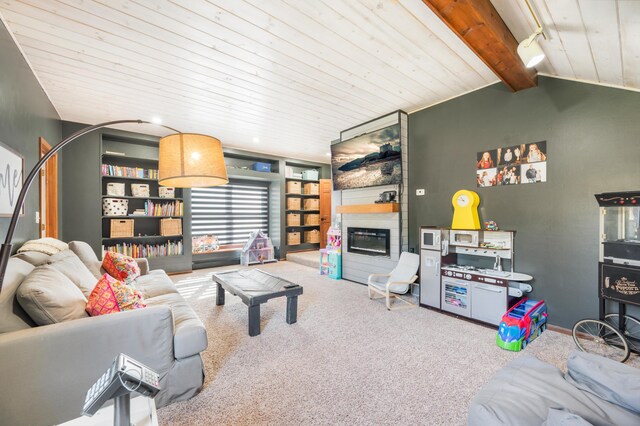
111,295
121,267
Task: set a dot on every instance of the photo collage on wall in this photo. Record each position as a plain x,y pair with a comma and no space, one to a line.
512,165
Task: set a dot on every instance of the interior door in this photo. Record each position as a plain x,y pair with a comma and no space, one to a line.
48,193
325,210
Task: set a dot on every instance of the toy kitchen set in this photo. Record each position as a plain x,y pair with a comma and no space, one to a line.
469,272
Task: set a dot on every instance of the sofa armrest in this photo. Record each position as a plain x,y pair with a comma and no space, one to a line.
143,264
47,370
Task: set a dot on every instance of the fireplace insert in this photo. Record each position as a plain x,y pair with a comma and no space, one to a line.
369,241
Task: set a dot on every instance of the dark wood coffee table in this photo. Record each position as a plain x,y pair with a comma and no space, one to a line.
255,287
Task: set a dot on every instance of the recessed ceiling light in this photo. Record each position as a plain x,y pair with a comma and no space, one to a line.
156,120
256,140
328,154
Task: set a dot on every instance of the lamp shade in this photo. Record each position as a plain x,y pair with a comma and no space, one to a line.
189,160
530,51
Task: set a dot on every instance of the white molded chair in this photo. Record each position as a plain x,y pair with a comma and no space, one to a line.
397,282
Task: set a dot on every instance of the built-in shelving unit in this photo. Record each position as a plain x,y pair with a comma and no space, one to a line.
307,241
163,251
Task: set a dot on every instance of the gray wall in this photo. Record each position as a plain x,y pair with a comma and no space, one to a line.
593,145
25,115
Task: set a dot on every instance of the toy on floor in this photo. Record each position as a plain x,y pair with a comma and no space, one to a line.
525,321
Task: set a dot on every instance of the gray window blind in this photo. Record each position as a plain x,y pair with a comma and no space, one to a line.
231,211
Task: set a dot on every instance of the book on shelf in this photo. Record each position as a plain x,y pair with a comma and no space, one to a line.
133,172
174,208
137,250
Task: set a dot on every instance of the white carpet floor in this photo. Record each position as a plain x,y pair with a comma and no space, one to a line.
346,361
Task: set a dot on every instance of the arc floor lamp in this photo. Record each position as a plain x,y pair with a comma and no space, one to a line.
186,160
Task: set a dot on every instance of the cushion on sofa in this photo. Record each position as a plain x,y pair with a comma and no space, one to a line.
33,257
190,336
564,417
610,380
522,392
88,257
72,267
49,297
121,267
45,245
155,284
12,316
110,295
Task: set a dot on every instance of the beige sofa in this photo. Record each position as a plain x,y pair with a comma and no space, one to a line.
46,370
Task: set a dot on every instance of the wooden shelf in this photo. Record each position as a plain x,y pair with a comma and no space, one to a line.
142,216
303,211
302,195
369,208
142,237
303,180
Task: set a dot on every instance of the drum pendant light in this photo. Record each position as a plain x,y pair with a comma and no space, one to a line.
189,160
530,51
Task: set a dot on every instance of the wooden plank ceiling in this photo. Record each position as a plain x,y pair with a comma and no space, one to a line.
277,76
595,41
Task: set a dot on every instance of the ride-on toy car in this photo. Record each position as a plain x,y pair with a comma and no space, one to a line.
522,324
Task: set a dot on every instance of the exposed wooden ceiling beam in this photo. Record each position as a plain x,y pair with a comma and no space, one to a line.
481,28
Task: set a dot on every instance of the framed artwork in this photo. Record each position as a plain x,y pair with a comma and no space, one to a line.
512,165
11,178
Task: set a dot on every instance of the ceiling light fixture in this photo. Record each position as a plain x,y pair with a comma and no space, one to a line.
156,120
529,50
256,140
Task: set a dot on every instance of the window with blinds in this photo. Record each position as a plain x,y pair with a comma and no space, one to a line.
230,212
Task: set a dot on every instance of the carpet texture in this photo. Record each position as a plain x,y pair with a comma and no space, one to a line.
346,361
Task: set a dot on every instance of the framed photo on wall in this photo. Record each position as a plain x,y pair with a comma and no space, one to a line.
11,178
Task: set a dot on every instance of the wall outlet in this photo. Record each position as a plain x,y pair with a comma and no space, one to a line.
420,191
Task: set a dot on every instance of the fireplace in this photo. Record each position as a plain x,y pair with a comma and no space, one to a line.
369,241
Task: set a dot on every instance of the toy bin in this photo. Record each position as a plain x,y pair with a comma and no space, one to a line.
294,188
310,175
170,227
293,219
311,219
116,189
312,237
166,192
312,204
311,188
115,207
261,167
121,228
294,203
293,238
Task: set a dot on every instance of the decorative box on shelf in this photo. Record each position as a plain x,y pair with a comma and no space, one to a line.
311,188
121,228
170,227
312,236
261,167
294,187
140,189
115,207
115,189
166,192
311,219
294,203
293,219
312,204
310,174
293,238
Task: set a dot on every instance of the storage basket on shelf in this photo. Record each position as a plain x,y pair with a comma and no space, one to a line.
121,228
170,227
310,175
294,187
114,188
311,219
293,219
293,238
312,236
294,203
312,204
115,207
311,188
166,192
140,189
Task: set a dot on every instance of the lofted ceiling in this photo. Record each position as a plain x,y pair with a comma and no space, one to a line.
277,76
596,41
286,76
